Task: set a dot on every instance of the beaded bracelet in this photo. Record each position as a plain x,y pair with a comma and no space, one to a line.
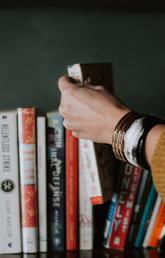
128,141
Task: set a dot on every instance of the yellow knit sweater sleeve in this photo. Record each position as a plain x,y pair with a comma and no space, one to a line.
158,166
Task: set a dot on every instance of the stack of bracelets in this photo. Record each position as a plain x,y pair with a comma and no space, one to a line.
128,141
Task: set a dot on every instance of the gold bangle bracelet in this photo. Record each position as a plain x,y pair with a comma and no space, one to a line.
116,135
119,132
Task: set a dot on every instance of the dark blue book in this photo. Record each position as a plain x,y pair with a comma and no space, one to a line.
56,188
109,219
145,217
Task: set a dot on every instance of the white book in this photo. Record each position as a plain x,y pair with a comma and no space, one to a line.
162,233
152,220
10,228
85,207
28,184
42,181
90,164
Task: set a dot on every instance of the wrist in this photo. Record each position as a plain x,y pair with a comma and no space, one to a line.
112,123
130,137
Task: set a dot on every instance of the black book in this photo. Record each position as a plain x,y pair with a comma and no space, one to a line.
55,181
144,186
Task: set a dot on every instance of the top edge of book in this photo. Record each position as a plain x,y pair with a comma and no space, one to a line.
91,64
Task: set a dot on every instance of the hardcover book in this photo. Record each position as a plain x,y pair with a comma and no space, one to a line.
109,220
140,201
71,188
56,182
157,227
42,182
101,154
85,207
145,219
28,184
124,209
10,227
152,221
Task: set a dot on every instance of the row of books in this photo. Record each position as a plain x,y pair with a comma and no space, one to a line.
53,198
44,197
23,226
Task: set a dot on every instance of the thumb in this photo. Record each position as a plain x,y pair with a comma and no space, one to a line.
66,83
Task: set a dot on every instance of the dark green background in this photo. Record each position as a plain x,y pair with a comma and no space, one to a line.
36,44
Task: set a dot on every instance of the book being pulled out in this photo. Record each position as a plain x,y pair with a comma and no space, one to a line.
98,158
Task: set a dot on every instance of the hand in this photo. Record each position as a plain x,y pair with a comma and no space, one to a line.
90,112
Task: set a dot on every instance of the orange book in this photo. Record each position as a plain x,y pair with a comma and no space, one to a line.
157,227
71,191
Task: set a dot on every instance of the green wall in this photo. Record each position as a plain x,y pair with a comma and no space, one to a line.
36,44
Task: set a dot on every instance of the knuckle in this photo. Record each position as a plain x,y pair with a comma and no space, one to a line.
63,111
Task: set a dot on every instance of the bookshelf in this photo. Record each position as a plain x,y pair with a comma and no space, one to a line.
92,254
89,254
37,42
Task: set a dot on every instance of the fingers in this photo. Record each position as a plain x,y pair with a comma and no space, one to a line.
71,124
62,111
66,83
72,127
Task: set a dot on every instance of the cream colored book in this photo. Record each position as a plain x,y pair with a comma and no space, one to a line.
85,206
10,228
42,181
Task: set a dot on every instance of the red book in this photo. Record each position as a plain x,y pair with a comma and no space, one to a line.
71,191
127,194
28,184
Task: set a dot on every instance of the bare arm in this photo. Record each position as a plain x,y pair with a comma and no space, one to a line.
93,112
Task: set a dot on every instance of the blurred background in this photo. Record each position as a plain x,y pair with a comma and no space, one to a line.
37,42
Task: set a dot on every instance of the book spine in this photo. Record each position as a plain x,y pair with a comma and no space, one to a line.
56,179
129,185
138,206
90,163
10,228
152,221
27,159
71,191
158,225
145,217
42,180
85,207
109,220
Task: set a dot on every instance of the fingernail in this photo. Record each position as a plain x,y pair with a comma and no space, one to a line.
74,133
66,123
